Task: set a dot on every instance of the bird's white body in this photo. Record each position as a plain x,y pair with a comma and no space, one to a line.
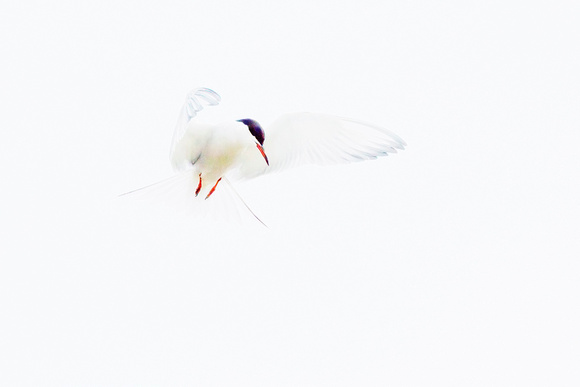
212,150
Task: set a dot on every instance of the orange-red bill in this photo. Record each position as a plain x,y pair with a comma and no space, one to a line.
261,149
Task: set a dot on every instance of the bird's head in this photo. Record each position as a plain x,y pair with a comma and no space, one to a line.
258,133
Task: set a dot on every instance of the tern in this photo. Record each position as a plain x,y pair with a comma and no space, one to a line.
242,149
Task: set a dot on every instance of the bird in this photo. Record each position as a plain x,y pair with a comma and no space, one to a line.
242,149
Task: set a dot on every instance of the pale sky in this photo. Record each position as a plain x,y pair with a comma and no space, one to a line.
452,263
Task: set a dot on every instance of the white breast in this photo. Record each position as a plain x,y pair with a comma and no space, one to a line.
212,150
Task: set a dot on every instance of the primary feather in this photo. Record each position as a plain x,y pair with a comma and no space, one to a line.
193,104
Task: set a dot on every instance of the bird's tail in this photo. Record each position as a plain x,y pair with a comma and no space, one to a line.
178,193
243,202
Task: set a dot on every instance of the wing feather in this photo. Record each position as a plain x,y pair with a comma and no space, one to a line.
192,105
310,138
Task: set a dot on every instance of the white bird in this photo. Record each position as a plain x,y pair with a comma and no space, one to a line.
242,149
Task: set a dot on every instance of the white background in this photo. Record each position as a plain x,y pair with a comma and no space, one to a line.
452,263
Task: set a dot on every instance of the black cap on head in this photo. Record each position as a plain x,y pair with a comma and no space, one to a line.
255,129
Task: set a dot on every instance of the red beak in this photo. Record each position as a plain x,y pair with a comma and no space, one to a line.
261,149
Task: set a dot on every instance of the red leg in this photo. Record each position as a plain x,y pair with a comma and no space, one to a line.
213,188
198,186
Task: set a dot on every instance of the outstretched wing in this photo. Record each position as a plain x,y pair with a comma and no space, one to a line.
310,138
193,103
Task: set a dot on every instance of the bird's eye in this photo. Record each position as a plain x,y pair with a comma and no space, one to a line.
254,128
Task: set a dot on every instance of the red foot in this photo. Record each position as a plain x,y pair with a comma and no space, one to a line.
213,188
198,186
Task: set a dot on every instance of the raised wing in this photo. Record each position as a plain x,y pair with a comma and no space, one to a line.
310,138
193,103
